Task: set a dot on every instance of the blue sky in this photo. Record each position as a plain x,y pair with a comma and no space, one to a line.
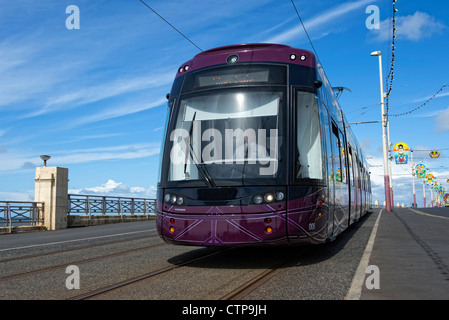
94,98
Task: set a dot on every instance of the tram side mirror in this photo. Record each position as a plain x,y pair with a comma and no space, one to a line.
167,96
318,84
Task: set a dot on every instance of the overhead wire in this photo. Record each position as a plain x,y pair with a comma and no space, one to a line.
171,25
305,30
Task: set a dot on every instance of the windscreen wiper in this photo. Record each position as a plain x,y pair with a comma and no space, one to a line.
201,169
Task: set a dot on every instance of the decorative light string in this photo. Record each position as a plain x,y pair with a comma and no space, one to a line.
425,103
390,77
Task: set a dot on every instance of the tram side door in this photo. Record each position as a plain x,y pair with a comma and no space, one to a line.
329,171
340,181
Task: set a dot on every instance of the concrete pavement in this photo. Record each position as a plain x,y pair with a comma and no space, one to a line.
411,251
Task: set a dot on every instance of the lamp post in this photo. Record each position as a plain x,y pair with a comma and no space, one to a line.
413,179
384,136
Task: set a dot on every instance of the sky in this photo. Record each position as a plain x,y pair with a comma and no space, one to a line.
93,97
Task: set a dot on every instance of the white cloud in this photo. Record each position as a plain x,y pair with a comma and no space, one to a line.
401,180
118,189
414,27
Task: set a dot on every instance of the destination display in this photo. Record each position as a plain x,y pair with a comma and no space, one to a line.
234,78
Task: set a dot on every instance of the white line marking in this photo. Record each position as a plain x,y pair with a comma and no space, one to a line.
67,241
427,214
355,291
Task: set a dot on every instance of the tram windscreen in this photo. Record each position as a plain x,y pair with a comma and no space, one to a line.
230,136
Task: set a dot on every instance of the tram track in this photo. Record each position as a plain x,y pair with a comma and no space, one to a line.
251,285
65,250
134,280
239,293
79,262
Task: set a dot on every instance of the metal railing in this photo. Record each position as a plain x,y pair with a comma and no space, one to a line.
102,205
18,213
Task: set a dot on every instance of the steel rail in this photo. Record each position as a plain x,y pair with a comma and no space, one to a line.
251,285
142,277
27,273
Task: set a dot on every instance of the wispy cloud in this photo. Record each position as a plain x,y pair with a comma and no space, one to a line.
320,21
95,93
133,151
441,95
442,120
14,161
414,27
24,74
120,111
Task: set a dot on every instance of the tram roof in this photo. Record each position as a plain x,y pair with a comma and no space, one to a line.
254,52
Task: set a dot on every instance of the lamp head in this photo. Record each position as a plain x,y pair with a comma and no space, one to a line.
45,158
376,53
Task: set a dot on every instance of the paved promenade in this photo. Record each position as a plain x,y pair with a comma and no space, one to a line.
411,251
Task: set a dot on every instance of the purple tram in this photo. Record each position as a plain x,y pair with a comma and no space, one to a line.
257,152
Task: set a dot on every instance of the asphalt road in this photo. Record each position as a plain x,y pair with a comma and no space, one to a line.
33,265
410,250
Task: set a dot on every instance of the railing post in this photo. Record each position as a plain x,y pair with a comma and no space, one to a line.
8,214
120,208
69,205
41,214
88,208
33,213
103,206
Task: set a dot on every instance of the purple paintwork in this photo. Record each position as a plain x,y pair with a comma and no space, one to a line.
248,53
305,222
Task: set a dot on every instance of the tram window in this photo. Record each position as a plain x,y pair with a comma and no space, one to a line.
308,137
363,179
351,172
344,160
337,153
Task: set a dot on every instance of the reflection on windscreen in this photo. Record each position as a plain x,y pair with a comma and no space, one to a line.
230,136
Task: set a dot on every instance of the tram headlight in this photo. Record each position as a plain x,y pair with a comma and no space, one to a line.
167,197
258,199
269,197
174,199
279,196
